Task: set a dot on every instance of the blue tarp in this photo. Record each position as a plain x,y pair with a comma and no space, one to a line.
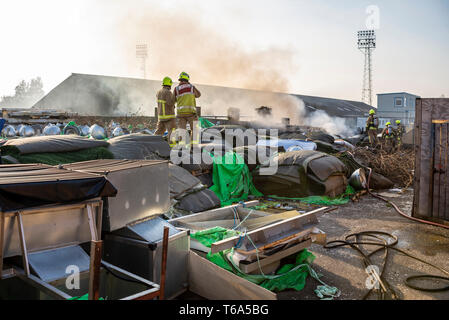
288,144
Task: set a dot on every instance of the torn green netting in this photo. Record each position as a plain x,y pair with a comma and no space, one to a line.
204,123
85,297
289,276
323,200
209,236
232,180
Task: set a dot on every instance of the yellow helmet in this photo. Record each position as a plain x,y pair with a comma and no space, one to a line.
388,123
167,82
398,121
184,76
372,111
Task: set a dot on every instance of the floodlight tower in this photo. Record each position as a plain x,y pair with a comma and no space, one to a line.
142,54
367,43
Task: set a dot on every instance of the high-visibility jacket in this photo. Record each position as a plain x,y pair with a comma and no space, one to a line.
185,99
372,122
400,130
165,104
388,132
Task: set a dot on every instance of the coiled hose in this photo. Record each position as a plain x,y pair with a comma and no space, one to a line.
385,289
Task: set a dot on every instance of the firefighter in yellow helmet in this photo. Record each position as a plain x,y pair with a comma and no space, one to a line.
388,135
372,124
399,132
186,94
166,109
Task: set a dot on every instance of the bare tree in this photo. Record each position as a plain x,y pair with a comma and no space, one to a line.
26,94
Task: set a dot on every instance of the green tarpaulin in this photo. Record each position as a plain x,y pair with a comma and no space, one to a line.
232,180
204,123
289,276
323,200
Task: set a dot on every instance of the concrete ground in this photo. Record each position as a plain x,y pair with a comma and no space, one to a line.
343,268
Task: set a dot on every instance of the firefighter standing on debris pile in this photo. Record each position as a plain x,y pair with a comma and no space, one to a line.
185,94
166,109
399,132
372,123
388,135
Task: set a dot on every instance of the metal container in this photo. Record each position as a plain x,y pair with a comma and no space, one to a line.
18,128
61,227
26,131
9,131
137,248
358,179
51,271
84,130
51,130
142,187
117,132
97,132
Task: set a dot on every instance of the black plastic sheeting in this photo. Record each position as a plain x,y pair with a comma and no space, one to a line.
26,186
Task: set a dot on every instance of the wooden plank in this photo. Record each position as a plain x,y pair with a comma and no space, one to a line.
23,246
417,147
92,224
434,192
445,201
94,269
247,268
2,239
426,159
277,231
53,208
296,236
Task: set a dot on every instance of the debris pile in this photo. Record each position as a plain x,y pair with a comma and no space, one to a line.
397,166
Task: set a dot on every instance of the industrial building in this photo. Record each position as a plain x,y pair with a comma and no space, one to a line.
106,95
396,106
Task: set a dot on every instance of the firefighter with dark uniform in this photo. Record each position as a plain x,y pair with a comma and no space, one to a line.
185,94
399,132
372,123
166,109
388,135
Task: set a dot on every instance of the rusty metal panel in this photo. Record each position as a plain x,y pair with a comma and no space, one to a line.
431,183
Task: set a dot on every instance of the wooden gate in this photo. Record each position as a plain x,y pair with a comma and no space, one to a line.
431,183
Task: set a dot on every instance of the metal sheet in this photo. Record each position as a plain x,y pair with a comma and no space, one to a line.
51,265
142,187
176,280
47,230
150,230
141,259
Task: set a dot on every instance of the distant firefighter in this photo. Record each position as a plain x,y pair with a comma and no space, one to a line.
388,135
372,123
166,109
399,132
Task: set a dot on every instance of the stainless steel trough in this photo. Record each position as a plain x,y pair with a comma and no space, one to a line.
133,230
38,244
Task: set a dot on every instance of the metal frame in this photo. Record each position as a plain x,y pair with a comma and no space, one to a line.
95,256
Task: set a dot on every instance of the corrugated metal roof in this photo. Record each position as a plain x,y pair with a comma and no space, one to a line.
25,174
111,94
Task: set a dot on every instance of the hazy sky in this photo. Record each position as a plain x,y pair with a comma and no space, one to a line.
53,38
